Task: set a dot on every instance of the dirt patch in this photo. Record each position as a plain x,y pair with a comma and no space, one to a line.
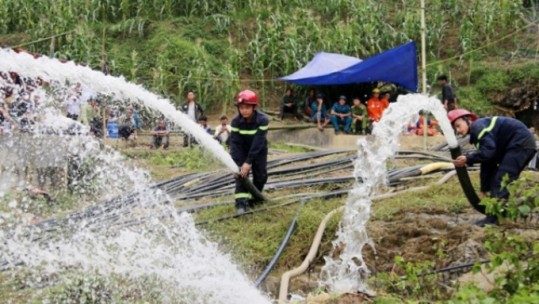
421,236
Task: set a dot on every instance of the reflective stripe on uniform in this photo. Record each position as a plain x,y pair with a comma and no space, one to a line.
235,129
243,195
263,128
248,132
487,129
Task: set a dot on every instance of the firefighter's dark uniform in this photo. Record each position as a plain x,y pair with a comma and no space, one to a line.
504,147
248,144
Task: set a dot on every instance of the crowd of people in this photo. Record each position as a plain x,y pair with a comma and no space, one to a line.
355,118
504,145
19,98
349,116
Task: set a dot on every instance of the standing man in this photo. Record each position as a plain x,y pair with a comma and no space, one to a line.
341,114
504,147
249,147
223,131
193,111
73,105
448,94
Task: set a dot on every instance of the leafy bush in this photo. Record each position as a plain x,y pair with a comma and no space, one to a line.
206,45
473,100
495,81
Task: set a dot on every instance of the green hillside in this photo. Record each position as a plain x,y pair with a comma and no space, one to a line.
215,47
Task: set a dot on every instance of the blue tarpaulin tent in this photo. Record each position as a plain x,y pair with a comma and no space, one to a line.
398,65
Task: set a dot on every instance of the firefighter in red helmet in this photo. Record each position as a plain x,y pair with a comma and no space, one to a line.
249,147
504,147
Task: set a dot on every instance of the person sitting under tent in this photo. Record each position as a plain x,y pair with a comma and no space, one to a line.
289,104
504,148
419,128
359,116
385,98
306,106
320,113
160,135
341,114
375,106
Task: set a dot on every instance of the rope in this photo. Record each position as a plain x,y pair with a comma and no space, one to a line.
485,45
233,79
429,64
40,40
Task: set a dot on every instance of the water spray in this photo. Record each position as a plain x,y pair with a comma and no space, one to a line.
166,255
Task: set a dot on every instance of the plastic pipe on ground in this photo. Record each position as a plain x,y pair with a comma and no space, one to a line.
436,166
285,279
279,252
326,195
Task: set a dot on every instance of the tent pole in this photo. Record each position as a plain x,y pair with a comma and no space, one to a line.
424,69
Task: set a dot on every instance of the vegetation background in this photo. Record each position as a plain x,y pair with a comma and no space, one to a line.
489,48
219,46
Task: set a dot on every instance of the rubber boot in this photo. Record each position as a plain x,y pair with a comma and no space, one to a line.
241,206
489,220
253,203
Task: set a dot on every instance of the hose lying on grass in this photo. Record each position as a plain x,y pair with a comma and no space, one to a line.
285,278
279,252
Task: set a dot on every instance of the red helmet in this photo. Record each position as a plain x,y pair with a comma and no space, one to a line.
453,115
247,97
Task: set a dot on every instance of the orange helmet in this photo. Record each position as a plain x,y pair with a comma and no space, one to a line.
458,113
247,97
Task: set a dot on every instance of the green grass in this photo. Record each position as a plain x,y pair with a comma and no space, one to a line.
281,146
254,239
437,199
185,160
171,46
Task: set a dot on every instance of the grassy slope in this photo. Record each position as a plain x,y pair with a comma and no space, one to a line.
170,54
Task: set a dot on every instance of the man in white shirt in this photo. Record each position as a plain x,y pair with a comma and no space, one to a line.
193,111
223,131
73,106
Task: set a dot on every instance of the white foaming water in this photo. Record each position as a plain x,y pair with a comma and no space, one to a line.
346,272
52,69
169,258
